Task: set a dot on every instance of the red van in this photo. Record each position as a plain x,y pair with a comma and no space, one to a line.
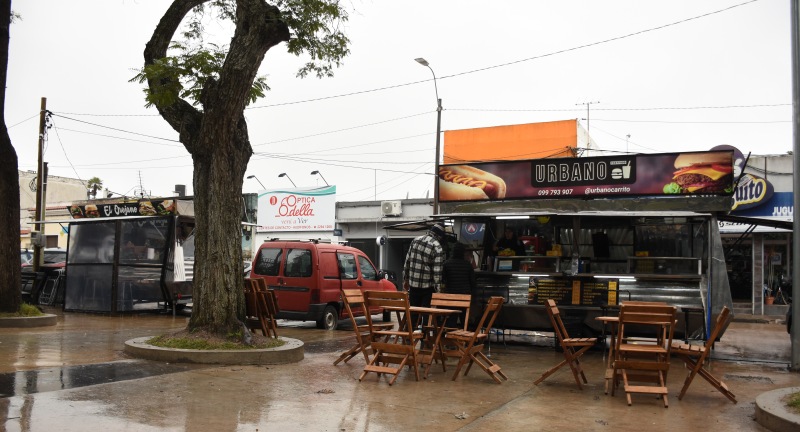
307,277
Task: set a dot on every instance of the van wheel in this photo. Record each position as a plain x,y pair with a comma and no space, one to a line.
387,316
329,318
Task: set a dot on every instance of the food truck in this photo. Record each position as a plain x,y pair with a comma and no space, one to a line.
125,256
595,231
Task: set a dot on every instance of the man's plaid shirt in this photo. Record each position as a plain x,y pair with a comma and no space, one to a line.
423,266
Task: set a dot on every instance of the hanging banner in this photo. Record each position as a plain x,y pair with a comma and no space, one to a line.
300,209
666,174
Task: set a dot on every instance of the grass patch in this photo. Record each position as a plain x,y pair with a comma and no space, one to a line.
25,310
793,402
200,340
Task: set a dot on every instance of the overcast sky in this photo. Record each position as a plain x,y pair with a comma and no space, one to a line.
682,75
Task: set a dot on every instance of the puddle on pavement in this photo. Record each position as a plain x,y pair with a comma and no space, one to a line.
52,379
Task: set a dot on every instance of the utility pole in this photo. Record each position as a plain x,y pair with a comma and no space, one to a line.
40,195
588,135
794,364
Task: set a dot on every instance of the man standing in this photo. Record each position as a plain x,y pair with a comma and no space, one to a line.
422,271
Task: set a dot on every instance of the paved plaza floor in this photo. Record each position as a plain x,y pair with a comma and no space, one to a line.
75,377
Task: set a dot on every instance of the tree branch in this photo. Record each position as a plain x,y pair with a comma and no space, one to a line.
181,115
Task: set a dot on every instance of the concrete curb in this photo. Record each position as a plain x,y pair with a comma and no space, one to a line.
772,413
291,352
26,322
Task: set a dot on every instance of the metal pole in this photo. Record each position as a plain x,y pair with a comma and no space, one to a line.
438,150
37,250
795,17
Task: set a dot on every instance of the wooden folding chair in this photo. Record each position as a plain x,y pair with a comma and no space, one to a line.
353,299
644,360
573,348
470,343
695,357
462,302
271,301
253,319
267,304
391,347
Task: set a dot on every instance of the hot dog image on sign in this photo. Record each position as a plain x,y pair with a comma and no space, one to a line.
467,183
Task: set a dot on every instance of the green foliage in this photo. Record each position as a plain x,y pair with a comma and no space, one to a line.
315,27
316,31
794,402
25,310
203,342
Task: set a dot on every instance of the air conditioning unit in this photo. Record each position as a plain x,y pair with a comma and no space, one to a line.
391,208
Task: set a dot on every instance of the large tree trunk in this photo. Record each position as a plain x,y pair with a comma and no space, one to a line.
220,147
10,296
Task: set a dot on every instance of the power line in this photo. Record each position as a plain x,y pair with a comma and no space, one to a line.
23,121
66,156
622,109
562,51
605,41
693,122
112,128
343,130
122,138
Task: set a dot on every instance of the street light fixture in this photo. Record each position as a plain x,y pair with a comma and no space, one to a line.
259,181
287,176
424,62
320,174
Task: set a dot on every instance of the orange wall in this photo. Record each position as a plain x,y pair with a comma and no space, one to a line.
515,142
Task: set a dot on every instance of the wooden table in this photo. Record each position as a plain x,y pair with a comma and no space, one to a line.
427,355
614,321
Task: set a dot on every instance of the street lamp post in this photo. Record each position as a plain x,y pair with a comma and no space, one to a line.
259,181
315,172
424,62
287,176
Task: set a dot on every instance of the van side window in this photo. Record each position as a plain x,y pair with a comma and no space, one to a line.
347,265
268,262
367,270
298,263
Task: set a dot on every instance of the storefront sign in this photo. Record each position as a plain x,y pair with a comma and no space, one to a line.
136,208
666,174
752,191
301,209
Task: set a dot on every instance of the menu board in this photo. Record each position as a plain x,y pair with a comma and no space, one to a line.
573,291
562,290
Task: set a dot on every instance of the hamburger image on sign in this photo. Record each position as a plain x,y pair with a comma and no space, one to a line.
702,173
91,211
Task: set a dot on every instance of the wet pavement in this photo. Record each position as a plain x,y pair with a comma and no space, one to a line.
75,377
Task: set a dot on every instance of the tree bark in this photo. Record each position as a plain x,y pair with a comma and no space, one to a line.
10,269
218,141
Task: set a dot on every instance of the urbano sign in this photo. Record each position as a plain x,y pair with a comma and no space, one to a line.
752,191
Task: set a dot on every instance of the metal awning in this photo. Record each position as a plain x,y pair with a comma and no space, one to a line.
745,220
418,225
